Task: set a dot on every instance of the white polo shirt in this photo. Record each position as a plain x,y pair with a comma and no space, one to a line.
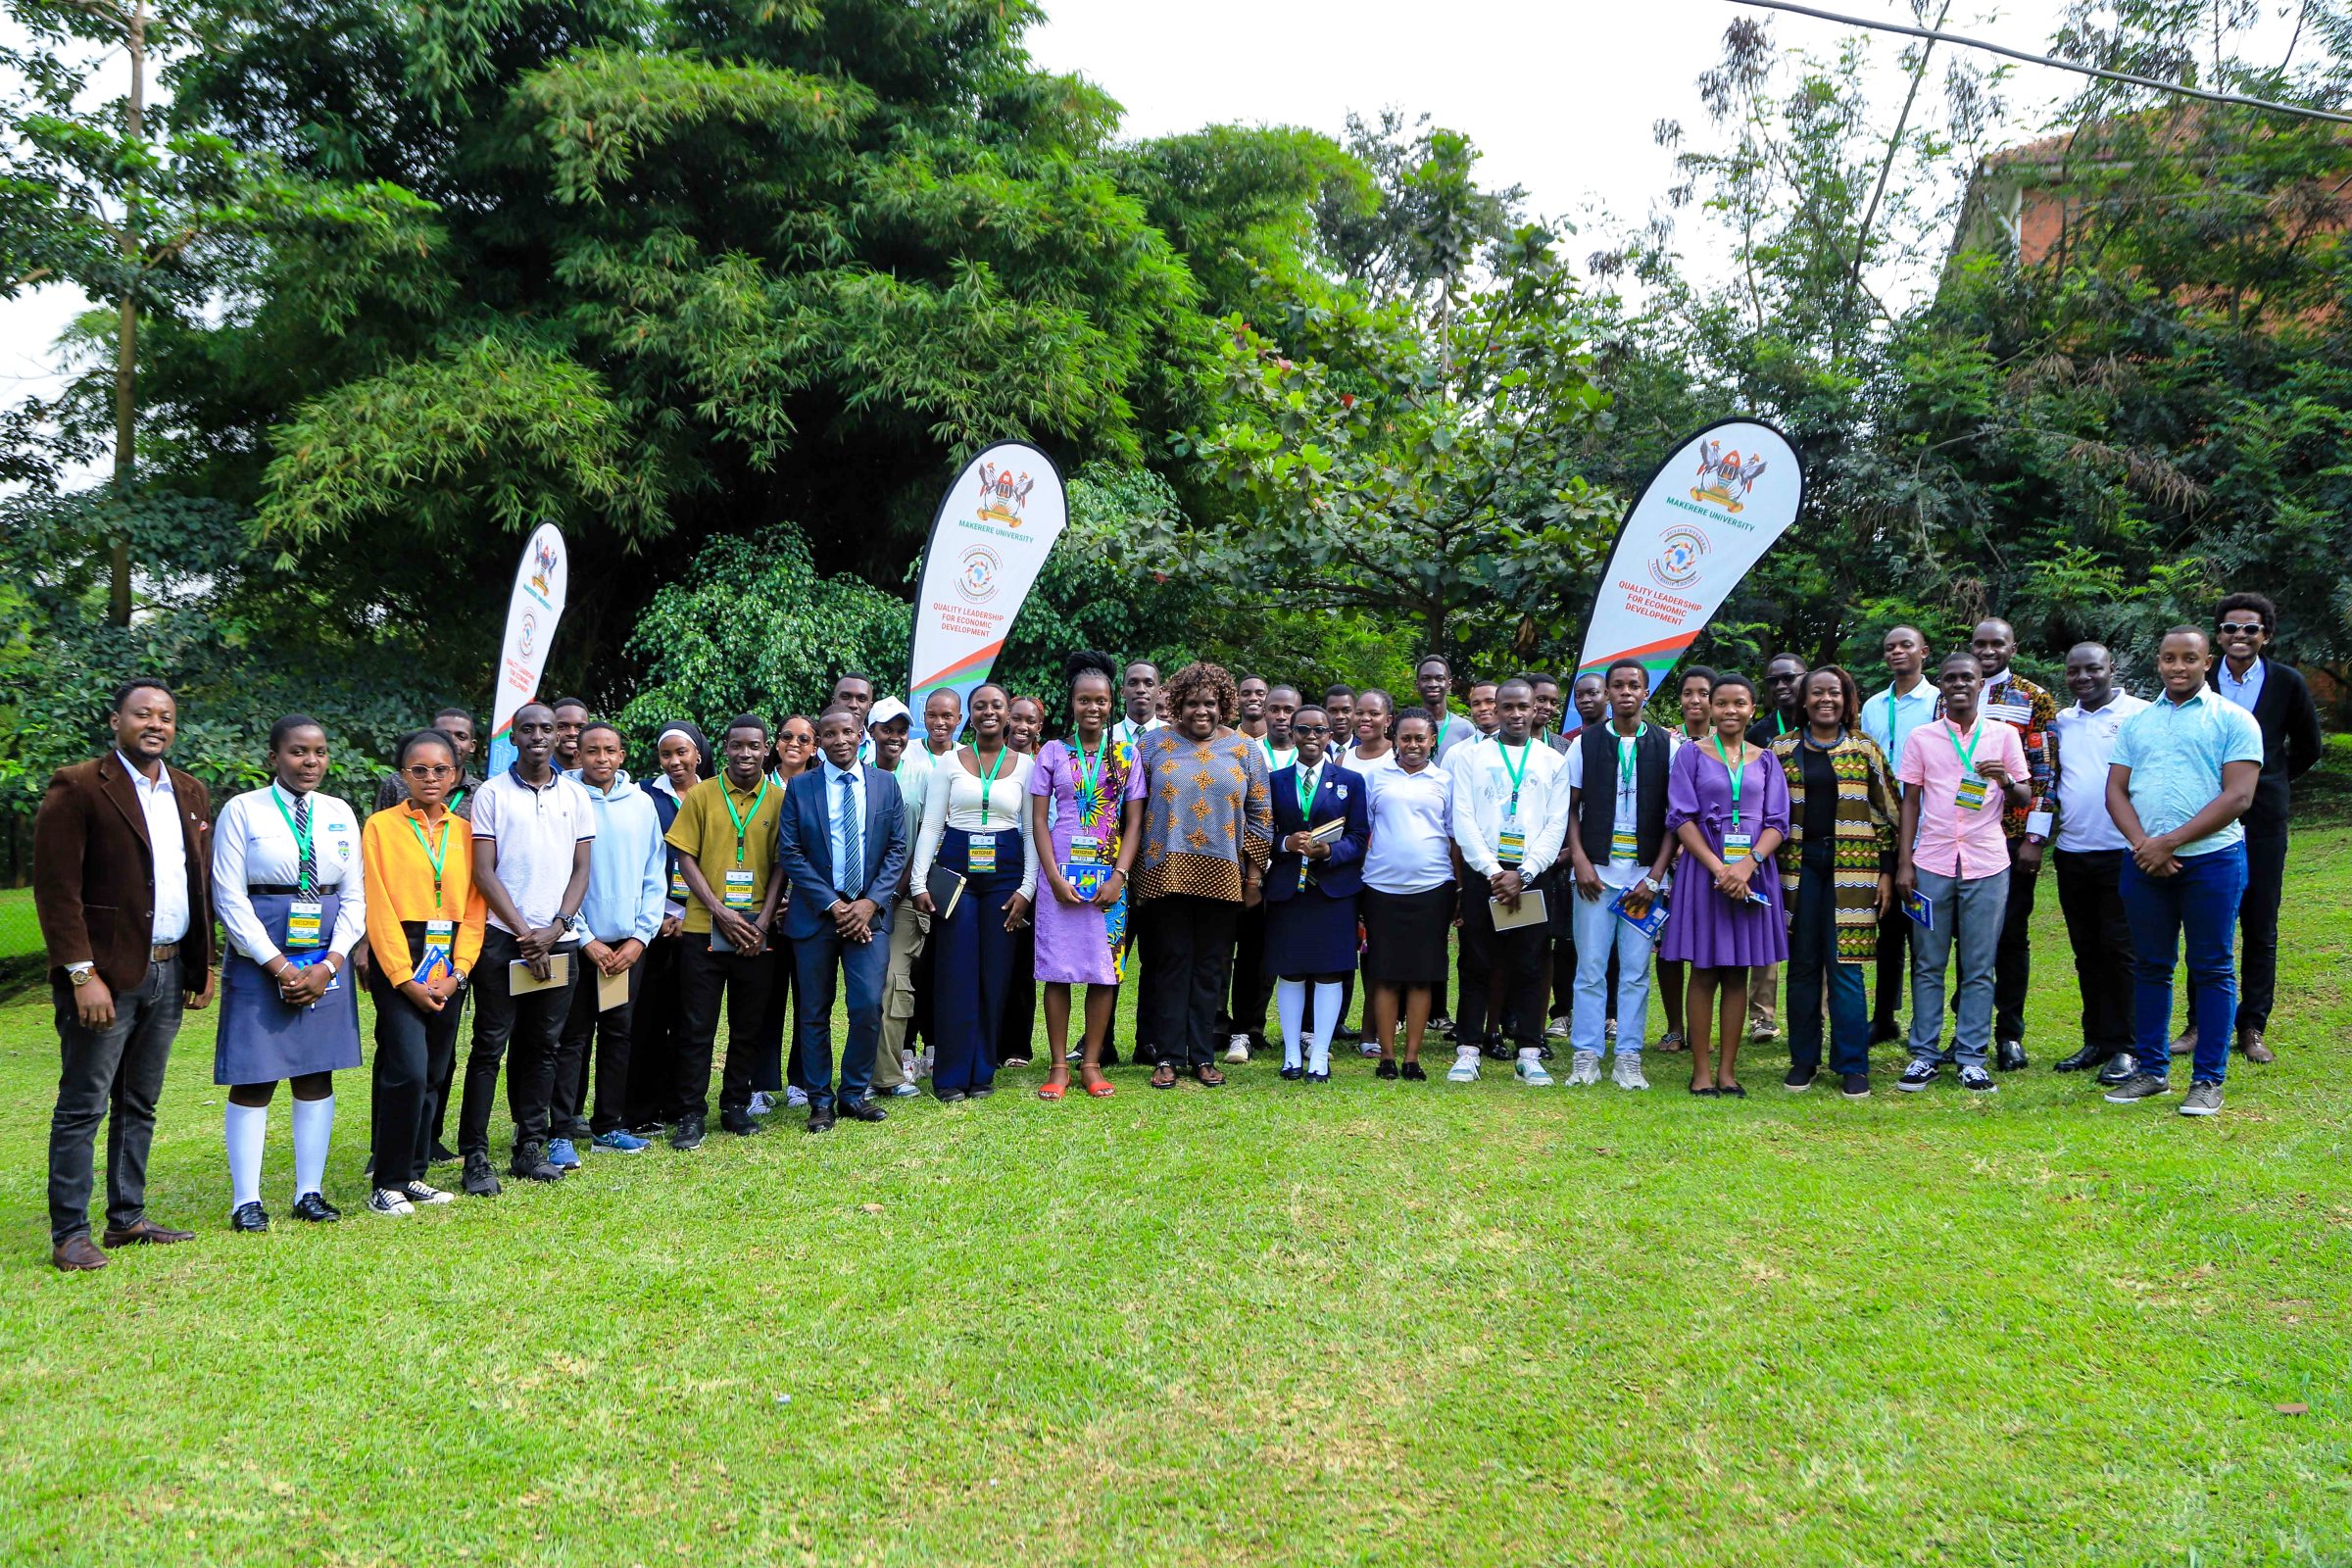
534,830
2086,748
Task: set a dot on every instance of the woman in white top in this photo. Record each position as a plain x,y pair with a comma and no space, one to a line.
1408,890
1374,711
286,884
972,815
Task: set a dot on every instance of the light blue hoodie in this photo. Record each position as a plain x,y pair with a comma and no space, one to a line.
626,867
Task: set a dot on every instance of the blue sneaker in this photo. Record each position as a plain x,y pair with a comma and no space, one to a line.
561,1155
906,1090
621,1142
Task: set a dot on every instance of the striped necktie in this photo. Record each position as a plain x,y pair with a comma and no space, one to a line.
306,868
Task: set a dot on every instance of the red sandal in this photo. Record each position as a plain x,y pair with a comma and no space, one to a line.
1052,1091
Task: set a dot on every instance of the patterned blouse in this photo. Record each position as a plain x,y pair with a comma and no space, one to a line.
1207,811
1866,821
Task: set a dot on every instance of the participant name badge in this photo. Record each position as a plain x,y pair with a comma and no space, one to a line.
305,923
1085,850
440,950
981,857
677,887
1972,793
1623,846
1736,847
1510,845
740,892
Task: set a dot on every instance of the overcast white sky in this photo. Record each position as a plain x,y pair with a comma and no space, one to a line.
1561,95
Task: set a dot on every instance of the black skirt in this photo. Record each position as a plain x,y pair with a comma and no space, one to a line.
1405,935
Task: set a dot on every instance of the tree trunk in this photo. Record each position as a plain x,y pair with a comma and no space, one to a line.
127,332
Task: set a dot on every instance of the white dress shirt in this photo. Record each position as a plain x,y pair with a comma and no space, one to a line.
253,846
1483,807
160,808
2085,746
1412,847
1625,818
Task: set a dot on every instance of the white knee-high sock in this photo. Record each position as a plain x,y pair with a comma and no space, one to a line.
1327,1019
314,1126
1290,1001
242,1129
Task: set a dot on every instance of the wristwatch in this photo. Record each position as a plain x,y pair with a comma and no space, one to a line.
81,974
1653,883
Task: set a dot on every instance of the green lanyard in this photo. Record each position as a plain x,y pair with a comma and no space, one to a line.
1736,774
1307,782
432,857
457,799
743,823
304,855
988,781
1516,773
1780,724
1968,757
1088,773
1628,750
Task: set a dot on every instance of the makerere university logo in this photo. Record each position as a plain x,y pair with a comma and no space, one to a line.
1001,494
1723,480
977,580
1676,564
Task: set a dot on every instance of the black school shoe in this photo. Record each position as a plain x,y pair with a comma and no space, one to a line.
315,1210
1854,1085
1411,1073
251,1218
1387,1069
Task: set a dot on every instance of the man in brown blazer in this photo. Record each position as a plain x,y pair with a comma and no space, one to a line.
120,852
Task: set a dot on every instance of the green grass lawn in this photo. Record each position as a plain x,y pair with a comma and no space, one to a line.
1391,1323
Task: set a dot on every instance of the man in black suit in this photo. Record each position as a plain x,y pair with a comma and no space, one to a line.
2280,703
842,844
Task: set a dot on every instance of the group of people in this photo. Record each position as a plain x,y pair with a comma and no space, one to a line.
1230,845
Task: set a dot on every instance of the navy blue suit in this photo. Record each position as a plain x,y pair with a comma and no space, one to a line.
1310,929
804,858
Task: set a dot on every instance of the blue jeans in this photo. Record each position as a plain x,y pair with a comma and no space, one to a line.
1600,934
1969,913
2198,901
1812,961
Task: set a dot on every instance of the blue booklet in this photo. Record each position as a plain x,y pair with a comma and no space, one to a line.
1651,925
1086,880
1917,906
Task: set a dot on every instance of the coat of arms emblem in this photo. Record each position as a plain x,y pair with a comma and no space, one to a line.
1001,494
1723,478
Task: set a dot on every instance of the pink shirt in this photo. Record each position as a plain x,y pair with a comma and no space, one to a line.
1954,842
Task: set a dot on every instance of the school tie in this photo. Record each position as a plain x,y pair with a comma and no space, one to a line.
849,854
306,867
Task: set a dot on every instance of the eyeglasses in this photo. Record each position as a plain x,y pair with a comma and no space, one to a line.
2241,628
429,770
1310,729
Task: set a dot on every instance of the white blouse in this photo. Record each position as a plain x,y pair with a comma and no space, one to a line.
253,846
1412,838
951,800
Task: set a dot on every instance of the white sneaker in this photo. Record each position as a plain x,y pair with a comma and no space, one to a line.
1583,1068
760,1105
1628,1070
425,1193
1556,1029
1532,1074
1237,1048
1465,1065
796,1098
385,1201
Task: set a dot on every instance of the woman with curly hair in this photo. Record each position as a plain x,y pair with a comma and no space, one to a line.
1085,805
1207,831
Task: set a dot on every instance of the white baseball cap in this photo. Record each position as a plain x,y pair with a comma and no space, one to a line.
885,710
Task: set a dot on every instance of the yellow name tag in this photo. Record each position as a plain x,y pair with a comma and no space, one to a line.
305,923
677,887
1972,794
740,892
1086,851
1623,846
981,857
440,948
1510,845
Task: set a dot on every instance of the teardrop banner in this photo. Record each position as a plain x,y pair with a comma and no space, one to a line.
989,541
1700,525
532,610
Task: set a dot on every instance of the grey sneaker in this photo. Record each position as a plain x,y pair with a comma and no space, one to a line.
2138,1087
2202,1099
1628,1070
1583,1068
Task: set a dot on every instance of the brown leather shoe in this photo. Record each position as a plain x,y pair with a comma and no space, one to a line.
2185,1042
75,1254
146,1233
2250,1046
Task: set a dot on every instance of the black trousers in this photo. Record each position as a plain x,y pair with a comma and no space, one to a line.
1016,1033
655,1029
1140,982
1509,969
530,1027
1252,989
747,984
1893,963
2101,937
773,1068
2258,925
414,1051
600,1039
1188,949
2013,961
115,1075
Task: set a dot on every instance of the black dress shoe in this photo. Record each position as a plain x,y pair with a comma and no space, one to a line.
251,1218
1293,1074
2088,1057
687,1134
738,1122
862,1110
952,1097
1411,1073
2009,1056
1387,1069
1884,1033
531,1164
2119,1068
820,1118
982,1091
317,1211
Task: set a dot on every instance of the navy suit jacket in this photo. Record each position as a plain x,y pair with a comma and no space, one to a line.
1339,793
804,850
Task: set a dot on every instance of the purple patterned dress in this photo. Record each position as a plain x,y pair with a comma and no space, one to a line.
1080,945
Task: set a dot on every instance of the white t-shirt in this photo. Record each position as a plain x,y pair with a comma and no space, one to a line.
1623,870
1411,844
534,830
2086,748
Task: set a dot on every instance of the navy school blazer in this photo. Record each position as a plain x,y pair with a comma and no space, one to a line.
1340,793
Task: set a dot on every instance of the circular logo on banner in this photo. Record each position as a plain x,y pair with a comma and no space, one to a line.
1676,564
977,581
528,635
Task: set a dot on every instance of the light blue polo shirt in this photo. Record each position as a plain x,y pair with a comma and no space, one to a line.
2175,751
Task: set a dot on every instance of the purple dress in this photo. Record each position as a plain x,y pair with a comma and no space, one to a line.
1079,945
1702,926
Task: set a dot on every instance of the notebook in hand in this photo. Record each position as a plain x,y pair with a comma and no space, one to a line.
946,888
1651,925
520,982
611,989
1531,911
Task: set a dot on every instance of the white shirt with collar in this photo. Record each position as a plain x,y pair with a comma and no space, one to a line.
1890,717
2085,745
844,873
159,808
2244,693
1481,771
534,829
253,846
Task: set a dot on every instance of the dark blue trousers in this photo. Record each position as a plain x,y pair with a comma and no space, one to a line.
2196,906
865,968
973,969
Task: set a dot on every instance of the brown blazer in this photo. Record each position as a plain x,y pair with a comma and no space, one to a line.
93,872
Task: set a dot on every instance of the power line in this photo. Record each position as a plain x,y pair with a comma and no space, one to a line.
1937,36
